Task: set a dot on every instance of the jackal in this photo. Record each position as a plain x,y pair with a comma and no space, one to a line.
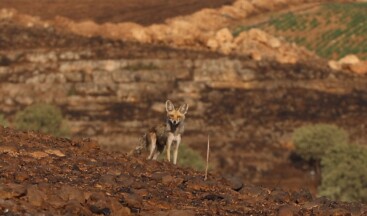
164,135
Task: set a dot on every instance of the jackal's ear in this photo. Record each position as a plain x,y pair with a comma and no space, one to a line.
183,109
169,106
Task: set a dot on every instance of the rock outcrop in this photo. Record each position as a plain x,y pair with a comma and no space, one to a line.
351,63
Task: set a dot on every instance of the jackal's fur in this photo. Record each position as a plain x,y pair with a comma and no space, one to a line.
164,135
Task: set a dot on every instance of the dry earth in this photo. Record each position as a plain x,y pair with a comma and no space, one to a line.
31,54
43,175
144,12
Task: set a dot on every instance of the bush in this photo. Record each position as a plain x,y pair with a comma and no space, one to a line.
312,142
41,117
344,174
187,157
3,121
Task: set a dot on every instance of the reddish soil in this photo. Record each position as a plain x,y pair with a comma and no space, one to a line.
44,175
144,12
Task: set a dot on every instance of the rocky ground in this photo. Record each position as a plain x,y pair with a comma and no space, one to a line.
112,90
43,175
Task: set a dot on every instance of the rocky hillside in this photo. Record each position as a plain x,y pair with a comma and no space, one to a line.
144,12
332,30
206,29
41,174
113,91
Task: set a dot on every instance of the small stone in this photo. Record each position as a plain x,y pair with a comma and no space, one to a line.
38,154
20,177
166,180
349,59
287,210
359,68
11,150
55,152
35,196
11,191
235,183
181,213
118,209
69,193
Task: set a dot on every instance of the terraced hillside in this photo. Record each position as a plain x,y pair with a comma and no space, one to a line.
332,30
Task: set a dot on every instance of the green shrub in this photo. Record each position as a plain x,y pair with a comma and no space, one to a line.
3,121
312,142
344,174
187,157
41,117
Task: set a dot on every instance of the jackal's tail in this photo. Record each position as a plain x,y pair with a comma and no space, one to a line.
142,144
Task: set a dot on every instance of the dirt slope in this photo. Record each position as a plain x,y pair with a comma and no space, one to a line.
41,174
144,12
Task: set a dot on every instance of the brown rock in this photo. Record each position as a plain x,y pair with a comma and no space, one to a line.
132,200
334,65
11,150
38,154
180,213
166,180
73,207
20,176
359,68
55,201
349,59
35,196
70,193
55,152
287,210
224,36
11,190
118,209
107,180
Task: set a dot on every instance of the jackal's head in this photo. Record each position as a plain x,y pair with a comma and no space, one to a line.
175,116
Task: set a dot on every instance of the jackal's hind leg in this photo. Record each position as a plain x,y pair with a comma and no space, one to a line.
153,145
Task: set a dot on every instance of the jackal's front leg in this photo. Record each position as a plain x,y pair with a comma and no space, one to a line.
175,153
170,139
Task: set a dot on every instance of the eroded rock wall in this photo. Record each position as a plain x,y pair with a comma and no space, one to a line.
249,108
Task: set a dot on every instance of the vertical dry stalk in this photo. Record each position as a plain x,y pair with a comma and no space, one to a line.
207,161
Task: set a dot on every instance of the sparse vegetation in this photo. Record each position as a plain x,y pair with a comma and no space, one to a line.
312,142
3,121
188,157
343,165
344,174
333,31
41,117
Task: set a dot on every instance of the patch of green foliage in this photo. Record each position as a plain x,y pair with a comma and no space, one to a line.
346,35
312,142
344,174
188,157
44,118
289,21
3,121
